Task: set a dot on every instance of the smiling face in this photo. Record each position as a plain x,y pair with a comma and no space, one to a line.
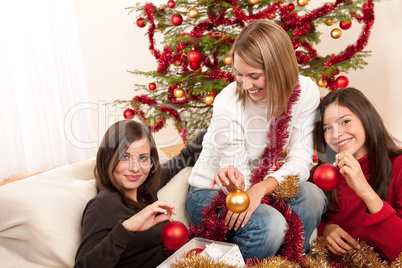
252,79
344,131
133,168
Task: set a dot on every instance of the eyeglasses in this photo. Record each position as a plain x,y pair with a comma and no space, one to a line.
140,160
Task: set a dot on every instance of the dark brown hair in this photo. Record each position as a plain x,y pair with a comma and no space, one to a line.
382,147
115,142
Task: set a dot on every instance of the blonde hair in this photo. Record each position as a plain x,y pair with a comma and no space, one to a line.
265,45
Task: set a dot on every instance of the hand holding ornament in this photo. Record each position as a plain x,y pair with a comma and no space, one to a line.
231,178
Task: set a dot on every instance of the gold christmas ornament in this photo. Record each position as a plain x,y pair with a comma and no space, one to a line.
209,99
178,92
192,12
330,22
227,59
237,201
322,83
336,33
302,2
253,2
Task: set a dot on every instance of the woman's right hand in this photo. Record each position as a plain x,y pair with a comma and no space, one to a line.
148,217
229,177
339,241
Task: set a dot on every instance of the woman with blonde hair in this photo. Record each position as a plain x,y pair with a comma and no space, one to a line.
269,108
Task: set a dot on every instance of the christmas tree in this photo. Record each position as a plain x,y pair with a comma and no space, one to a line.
193,66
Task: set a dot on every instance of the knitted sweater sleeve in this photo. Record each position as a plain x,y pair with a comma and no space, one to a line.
385,226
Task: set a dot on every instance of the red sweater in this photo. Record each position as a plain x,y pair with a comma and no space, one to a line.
381,230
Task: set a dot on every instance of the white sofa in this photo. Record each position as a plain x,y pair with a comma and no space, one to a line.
40,217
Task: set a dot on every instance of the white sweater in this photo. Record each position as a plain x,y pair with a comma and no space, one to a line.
238,136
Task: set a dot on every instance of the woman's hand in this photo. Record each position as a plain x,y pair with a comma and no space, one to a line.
148,217
256,193
350,168
231,178
338,240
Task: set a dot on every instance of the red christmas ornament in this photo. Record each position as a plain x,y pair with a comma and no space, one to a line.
128,113
344,25
327,177
193,56
152,86
342,81
141,22
176,19
291,7
194,65
171,4
194,252
174,234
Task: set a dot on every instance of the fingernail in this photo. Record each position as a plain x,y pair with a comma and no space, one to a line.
226,182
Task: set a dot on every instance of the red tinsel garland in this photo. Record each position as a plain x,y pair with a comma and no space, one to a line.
213,227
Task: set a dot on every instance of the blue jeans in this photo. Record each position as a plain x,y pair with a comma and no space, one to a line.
264,233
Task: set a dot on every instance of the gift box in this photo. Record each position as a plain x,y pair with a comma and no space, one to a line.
220,251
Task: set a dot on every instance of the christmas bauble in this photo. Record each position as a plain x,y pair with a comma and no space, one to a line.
302,2
174,234
171,3
128,113
178,92
193,56
177,63
141,22
271,16
346,24
176,19
192,12
322,83
336,33
237,201
253,2
152,86
291,6
194,65
194,252
227,59
209,98
327,177
330,22
342,81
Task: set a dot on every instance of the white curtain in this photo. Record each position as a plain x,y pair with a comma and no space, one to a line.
41,85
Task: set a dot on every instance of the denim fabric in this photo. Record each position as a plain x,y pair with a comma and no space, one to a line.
264,233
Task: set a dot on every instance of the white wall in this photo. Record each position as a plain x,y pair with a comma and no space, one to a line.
111,44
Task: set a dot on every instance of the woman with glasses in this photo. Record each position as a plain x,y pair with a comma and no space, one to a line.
121,225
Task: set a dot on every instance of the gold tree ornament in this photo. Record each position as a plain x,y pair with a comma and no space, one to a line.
227,59
330,22
336,33
237,201
209,99
178,92
302,2
192,12
322,83
253,2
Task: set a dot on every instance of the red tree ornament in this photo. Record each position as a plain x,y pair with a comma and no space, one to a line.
194,65
152,86
194,252
291,6
176,19
193,56
128,113
171,4
327,177
342,81
344,25
174,234
141,22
